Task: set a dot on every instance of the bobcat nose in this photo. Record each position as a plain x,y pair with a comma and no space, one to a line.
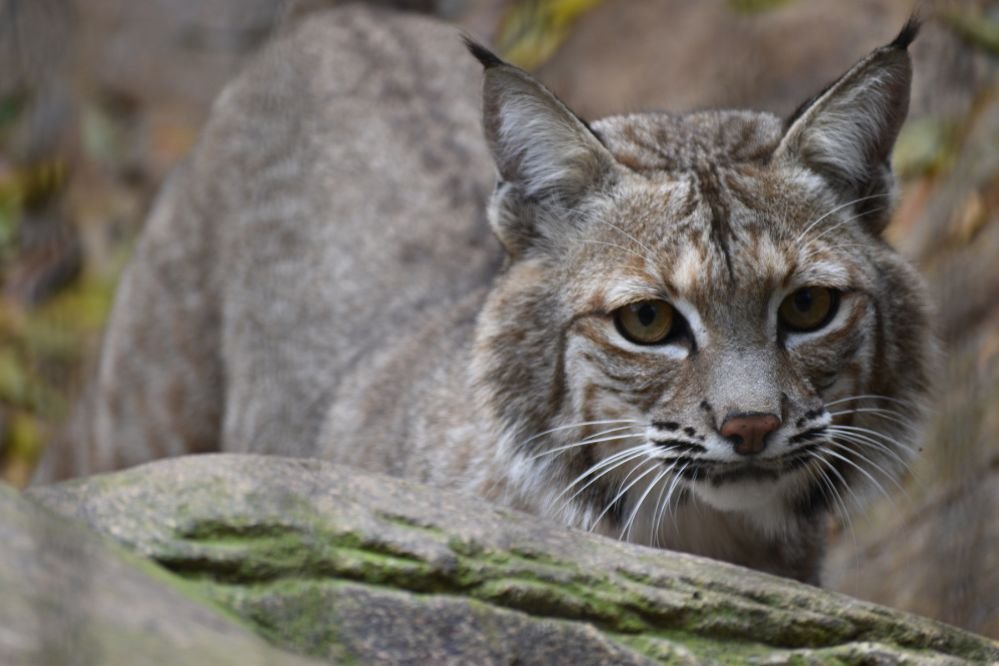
748,432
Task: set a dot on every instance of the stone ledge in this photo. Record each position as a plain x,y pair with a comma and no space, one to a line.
342,565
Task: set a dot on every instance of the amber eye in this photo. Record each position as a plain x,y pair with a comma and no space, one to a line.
645,322
808,309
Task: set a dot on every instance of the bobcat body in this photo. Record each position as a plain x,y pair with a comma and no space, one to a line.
690,334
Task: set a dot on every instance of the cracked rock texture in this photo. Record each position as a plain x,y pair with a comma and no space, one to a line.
339,565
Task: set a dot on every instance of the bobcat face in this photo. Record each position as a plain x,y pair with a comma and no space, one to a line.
700,309
724,357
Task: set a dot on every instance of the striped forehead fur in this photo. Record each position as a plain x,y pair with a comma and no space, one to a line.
677,143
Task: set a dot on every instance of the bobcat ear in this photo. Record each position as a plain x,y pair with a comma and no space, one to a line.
846,133
539,145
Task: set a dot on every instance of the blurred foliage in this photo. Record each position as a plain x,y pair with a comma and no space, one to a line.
11,107
42,352
753,6
44,342
977,29
23,437
531,30
926,146
101,140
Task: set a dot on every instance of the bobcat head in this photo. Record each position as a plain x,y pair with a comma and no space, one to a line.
699,310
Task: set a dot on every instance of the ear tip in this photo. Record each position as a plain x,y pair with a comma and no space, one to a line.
907,34
487,58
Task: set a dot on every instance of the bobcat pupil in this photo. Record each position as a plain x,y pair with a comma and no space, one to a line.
646,314
803,300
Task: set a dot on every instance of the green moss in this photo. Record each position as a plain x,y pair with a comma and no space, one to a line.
250,556
669,647
285,569
757,6
409,523
926,146
293,614
528,582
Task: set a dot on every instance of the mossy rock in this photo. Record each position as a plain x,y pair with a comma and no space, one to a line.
69,596
342,565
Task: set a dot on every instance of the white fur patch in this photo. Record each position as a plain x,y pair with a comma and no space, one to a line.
687,269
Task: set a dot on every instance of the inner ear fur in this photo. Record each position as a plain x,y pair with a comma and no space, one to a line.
545,154
846,134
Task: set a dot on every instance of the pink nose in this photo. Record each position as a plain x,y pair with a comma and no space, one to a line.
748,432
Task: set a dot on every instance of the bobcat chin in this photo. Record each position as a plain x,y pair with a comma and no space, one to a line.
690,335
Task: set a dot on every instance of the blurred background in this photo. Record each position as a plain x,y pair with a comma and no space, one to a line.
100,98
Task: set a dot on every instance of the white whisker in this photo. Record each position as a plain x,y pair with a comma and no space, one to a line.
874,465
832,468
578,425
620,247
861,470
869,396
846,221
626,530
869,443
587,442
621,493
885,414
625,233
831,211
655,523
867,432
614,461
834,496
813,251
845,512
674,484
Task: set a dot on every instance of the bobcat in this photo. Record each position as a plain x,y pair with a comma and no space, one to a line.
690,334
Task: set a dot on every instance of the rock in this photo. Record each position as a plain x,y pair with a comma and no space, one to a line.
343,565
67,596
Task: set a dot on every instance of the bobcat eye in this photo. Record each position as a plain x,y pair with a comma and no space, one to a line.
808,309
645,322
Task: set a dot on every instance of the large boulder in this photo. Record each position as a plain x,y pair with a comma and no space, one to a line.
68,596
342,565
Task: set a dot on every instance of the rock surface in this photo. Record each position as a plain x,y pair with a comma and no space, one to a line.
68,596
336,564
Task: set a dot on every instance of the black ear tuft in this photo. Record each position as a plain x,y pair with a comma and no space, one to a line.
908,33
481,53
